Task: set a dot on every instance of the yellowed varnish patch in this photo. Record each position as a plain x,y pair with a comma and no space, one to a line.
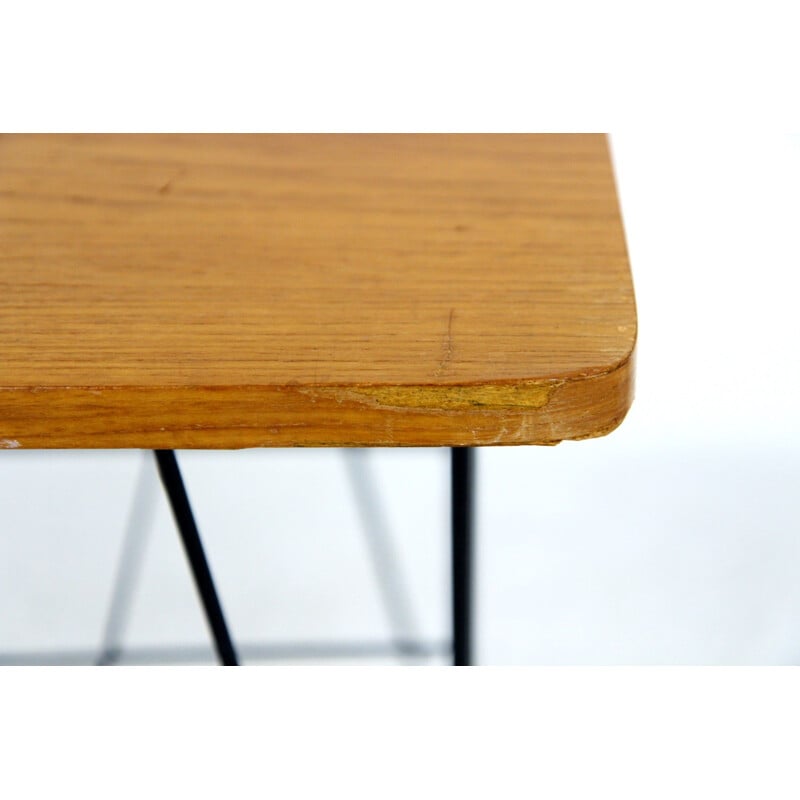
526,394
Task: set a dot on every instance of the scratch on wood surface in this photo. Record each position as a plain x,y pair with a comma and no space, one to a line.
167,187
447,346
9,444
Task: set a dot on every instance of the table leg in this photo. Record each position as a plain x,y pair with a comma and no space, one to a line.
383,556
140,522
462,478
184,519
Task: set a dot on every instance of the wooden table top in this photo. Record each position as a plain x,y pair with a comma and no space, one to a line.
176,291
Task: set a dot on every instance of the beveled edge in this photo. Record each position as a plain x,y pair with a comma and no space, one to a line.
524,412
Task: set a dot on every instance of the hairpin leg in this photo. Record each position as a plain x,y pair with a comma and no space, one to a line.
129,568
184,519
385,561
462,476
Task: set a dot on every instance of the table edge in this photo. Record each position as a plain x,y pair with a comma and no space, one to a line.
536,411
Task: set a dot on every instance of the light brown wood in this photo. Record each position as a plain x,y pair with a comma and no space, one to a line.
241,291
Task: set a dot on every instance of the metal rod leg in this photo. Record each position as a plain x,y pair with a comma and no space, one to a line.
385,560
462,477
184,519
129,568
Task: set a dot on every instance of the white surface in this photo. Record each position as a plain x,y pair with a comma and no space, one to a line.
674,540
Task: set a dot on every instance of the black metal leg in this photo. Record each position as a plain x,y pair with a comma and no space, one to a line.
462,476
184,519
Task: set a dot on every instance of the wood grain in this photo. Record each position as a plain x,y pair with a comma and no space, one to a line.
276,290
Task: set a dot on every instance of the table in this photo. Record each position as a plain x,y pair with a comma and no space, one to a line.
228,291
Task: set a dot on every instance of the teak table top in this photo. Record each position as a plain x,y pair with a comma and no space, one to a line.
176,291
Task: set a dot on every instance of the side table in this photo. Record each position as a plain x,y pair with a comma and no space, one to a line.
228,291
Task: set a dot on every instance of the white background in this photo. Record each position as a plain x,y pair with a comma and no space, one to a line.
672,541
680,542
